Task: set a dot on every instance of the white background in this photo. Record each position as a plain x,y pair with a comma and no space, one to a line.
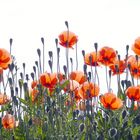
114,23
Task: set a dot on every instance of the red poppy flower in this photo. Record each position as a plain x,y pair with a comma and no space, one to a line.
134,66
136,46
4,99
50,80
88,90
34,94
111,101
120,67
133,92
8,121
107,56
34,83
67,39
92,59
78,76
5,58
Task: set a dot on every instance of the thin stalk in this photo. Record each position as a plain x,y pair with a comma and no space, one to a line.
107,78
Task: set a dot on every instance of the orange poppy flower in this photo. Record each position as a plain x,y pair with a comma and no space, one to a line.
34,94
94,59
78,76
67,39
8,121
72,86
34,83
136,46
133,92
50,80
111,101
90,87
5,58
107,56
121,67
4,99
134,66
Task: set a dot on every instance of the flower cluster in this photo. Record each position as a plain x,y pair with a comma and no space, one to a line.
69,104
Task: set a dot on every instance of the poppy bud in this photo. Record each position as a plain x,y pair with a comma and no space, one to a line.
56,42
124,113
81,127
39,52
96,46
83,53
11,41
42,40
127,48
66,23
112,132
32,75
50,54
34,68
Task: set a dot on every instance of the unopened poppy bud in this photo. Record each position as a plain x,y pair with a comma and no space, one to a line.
56,42
127,48
11,41
96,46
119,57
137,120
36,62
58,50
112,132
21,75
39,52
32,75
137,58
50,54
122,83
34,68
83,53
81,127
42,40
50,64
65,69
124,113
66,23
71,60
11,66
23,65
27,77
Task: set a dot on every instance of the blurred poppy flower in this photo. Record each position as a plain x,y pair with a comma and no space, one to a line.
118,67
8,121
50,80
78,76
88,90
107,56
136,46
111,101
5,58
72,86
34,83
134,66
92,59
133,92
67,39
4,99
34,94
